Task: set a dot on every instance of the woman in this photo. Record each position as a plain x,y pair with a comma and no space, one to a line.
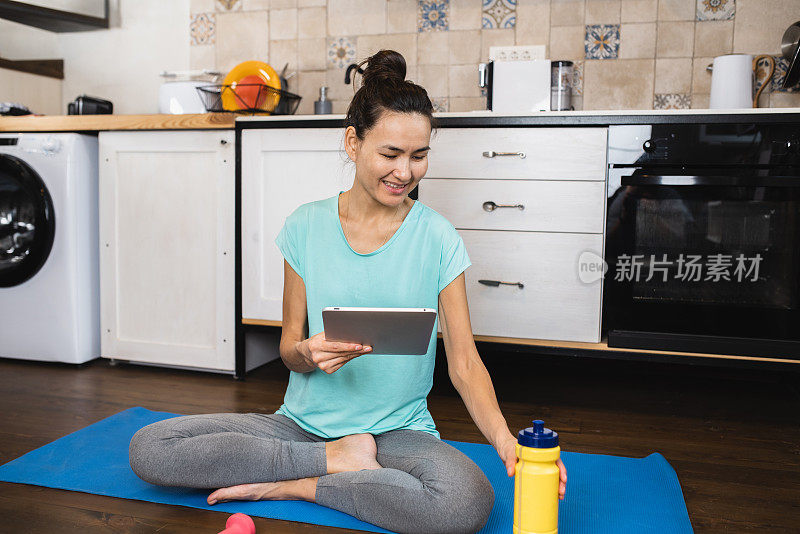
354,432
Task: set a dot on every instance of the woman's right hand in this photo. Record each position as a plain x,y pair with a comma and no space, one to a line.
329,355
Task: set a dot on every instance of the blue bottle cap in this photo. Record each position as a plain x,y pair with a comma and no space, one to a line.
538,436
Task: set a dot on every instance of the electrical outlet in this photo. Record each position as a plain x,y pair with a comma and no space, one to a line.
516,53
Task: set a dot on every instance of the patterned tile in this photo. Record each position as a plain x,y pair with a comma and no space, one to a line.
499,14
432,15
201,28
440,104
716,9
673,101
601,41
577,78
341,52
781,68
228,5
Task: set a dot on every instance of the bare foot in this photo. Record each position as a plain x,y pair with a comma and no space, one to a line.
304,488
352,453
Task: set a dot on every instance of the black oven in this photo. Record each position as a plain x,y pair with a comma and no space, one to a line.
702,239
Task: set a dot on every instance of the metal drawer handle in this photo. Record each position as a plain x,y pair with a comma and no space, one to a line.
495,283
491,206
492,153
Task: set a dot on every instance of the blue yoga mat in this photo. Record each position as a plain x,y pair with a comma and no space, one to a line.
604,493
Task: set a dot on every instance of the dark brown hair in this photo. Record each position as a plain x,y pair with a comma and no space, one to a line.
384,88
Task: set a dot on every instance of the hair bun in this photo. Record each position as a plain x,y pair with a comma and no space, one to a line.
384,88
385,65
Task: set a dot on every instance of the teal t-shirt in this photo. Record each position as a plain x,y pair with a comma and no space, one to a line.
371,393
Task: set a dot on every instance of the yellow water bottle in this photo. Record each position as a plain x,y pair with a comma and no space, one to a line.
536,481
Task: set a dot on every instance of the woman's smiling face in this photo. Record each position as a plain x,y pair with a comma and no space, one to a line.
395,150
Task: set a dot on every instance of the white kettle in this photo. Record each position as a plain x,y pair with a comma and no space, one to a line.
732,78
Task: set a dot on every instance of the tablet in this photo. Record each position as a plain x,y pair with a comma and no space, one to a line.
386,330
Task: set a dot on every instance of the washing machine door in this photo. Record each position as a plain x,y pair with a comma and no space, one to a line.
27,221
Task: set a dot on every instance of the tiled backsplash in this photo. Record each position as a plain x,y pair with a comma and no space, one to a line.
629,54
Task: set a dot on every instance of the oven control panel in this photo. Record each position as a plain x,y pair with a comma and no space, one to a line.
704,144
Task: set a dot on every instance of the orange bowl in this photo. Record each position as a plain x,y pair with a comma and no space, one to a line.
250,72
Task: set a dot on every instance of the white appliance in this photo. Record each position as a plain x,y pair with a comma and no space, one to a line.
178,94
176,98
516,86
49,257
732,82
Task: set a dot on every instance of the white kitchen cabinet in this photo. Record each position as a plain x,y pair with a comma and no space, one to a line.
282,168
553,303
519,153
535,205
561,183
167,247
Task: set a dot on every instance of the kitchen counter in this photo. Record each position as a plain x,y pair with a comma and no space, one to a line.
486,118
482,118
95,123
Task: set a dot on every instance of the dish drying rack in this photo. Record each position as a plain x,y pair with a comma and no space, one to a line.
211,94
264,100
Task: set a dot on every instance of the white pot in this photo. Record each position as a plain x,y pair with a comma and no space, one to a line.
180,97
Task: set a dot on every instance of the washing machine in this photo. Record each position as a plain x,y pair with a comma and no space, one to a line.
49,257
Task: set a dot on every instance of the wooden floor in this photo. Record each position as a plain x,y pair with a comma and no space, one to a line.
732,435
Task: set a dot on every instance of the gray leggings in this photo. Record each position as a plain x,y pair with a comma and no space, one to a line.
425,484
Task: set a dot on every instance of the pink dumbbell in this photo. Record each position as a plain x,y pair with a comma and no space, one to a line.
239,524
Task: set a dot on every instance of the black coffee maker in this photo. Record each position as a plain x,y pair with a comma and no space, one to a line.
90,105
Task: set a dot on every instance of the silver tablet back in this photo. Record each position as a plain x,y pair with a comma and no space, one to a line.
386,330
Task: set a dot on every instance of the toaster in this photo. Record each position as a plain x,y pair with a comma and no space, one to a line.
516,86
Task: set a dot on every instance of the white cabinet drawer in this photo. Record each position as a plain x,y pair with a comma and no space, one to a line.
553,302
550,153
549,205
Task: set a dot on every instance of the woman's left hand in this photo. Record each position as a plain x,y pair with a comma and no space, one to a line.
508,453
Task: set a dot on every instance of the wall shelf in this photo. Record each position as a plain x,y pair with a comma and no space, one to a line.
52,68
53,20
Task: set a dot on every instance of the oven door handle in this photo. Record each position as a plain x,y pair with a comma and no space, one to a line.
714,180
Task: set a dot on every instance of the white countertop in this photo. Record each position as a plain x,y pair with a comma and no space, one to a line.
592,113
